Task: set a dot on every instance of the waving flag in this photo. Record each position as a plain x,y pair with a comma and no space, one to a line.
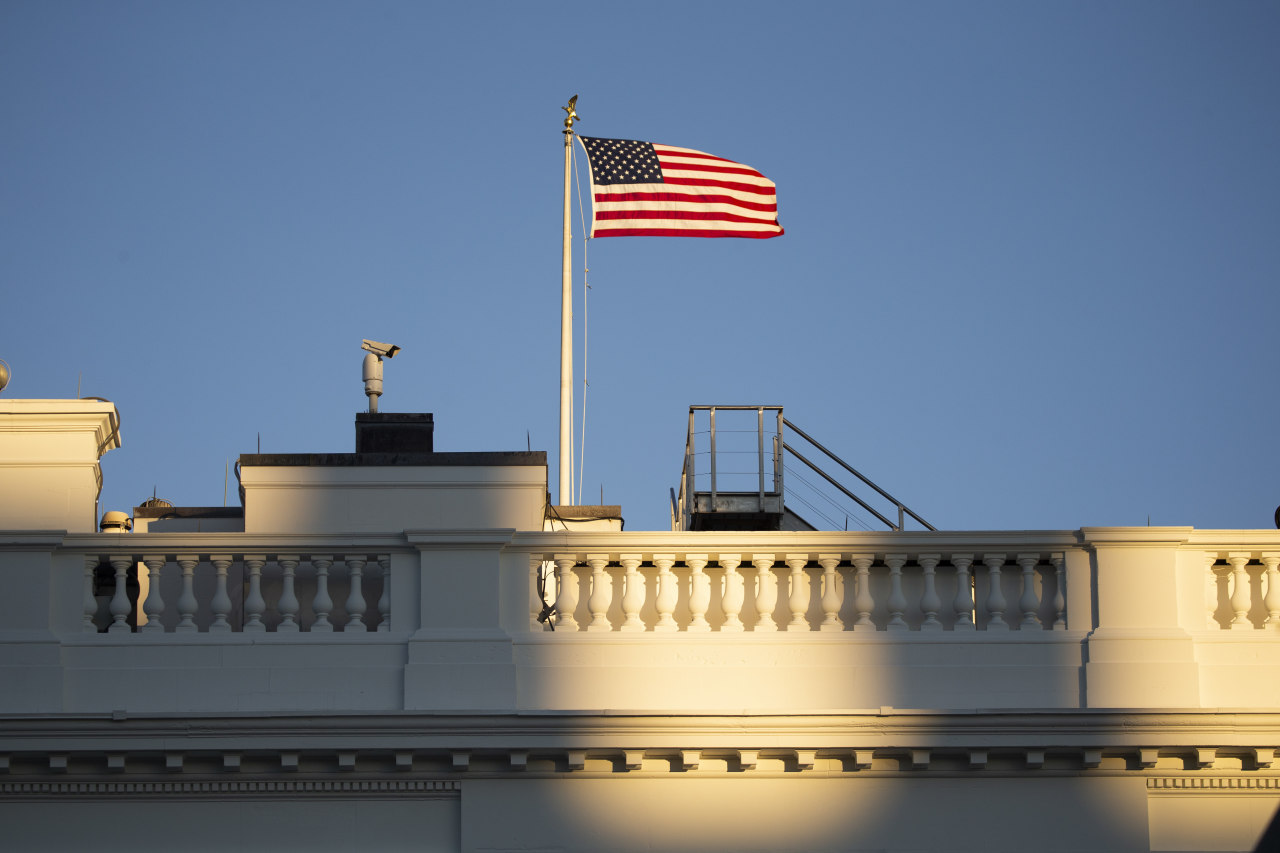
643,189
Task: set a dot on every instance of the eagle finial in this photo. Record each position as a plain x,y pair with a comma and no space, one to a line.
572,114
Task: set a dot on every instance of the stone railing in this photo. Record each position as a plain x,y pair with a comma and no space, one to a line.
859,592
1242,591
156,593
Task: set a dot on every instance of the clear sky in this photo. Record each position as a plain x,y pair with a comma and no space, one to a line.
1029,278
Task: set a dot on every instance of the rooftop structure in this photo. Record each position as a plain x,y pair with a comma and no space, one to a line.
402,648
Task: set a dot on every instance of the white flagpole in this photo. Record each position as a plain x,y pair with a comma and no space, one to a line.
566,322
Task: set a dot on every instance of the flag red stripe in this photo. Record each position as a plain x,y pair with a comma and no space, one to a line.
680,214
681,232
699,167
681,198
729,185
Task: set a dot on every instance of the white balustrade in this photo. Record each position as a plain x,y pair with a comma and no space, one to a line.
601,593
832,593
1271,601
964,602
226,593
930,603
699,593
894,593
1029,602
1239,592
766,592
355,596
798,592
733,590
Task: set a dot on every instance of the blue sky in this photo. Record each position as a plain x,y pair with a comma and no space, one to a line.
1029,278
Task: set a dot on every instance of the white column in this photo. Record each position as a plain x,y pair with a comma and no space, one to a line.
1239,592
322,604
632,593
996,603
89,601
384,600
862,600
187,604
1029,603
1211,592
601,593
666,594
766,592
732,593
120,607
254,604
1272,600
897,602
964,592
567,599
832,593
699,593
154,605
221,603
355,604
288,603
1059,591
930,603
535,593
798,592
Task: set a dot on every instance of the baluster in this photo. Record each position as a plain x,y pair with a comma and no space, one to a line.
732,593
89,601
897,602
1272,599
567,597
766,592
1059,592
1211,592
355,595
288,603
632,593
798,592
996,603
832,593
120,607
964,592
666,594
153,607
535,595
1029,603
322,604
601,593
699,593
221,603
930,603
1239,592
862,600
187,603
254,603
384,600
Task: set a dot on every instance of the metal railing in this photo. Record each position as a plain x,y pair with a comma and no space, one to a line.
768,471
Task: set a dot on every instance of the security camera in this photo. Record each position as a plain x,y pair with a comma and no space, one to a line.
379,349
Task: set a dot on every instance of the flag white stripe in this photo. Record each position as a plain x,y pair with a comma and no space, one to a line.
684,224
690,192
712,207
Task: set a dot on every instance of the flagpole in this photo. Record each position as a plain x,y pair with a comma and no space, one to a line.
566,321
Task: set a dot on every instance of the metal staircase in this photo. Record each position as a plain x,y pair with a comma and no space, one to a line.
738,474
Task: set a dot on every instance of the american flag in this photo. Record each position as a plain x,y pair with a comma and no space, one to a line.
643,189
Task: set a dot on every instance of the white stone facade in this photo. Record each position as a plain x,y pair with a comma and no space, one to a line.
359,664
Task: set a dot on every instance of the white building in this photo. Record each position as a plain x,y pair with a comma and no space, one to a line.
355,662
